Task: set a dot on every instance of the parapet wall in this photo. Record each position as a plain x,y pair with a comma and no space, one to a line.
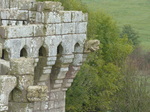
42,48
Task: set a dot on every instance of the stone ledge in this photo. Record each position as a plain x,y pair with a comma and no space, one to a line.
37,93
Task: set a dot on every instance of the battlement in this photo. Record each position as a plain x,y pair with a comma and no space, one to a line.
42,48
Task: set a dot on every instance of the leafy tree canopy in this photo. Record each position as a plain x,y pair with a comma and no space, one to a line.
128,31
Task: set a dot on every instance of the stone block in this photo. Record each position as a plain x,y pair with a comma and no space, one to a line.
24,82
38,18
62,73
81,27
13,3
58,29
20,107
77,16
50,62
3,108
4,67
44,105
7,84
78,59
48,71
60,103
39,30
17,31
51,17
53,58
68,28
67,60
37,93
27,5
23,15
4,22
67,85
37,106
65,16
51,105
4,4
50,29
57,86
5,14
62,109
59,81
14,14
13,23
59,95
22,66
32,16
35,17
70,80
40,6
52,6
44,77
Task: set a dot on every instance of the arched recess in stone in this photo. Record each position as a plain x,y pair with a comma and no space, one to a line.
57,74
59,49
5,55
74,67
38,71
42,52
23,53
77,48
77,54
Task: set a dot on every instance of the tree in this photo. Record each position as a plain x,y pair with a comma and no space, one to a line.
134,95
128,31
99,78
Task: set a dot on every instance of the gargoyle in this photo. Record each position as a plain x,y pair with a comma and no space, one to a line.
91,45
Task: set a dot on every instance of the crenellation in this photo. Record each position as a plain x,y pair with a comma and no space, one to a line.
42,48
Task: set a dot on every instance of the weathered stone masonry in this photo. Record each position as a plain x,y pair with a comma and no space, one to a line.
42,48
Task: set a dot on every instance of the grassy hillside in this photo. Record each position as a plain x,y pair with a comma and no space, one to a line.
133,12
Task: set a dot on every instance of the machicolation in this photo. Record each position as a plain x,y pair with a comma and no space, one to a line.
42,48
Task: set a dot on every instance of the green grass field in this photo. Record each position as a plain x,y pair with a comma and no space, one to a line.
133,12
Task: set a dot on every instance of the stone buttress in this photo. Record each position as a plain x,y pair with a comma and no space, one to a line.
42,48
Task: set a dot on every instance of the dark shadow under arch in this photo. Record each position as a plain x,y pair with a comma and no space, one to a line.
56,68
5,55
59,49
40,65
23,52
42,51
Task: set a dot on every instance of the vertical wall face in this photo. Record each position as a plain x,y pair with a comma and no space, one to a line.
44,45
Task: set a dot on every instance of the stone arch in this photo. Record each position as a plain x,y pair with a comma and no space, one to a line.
59,49
77,47
5,55
23,53
42,51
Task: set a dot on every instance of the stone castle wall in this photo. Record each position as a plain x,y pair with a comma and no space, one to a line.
41,49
